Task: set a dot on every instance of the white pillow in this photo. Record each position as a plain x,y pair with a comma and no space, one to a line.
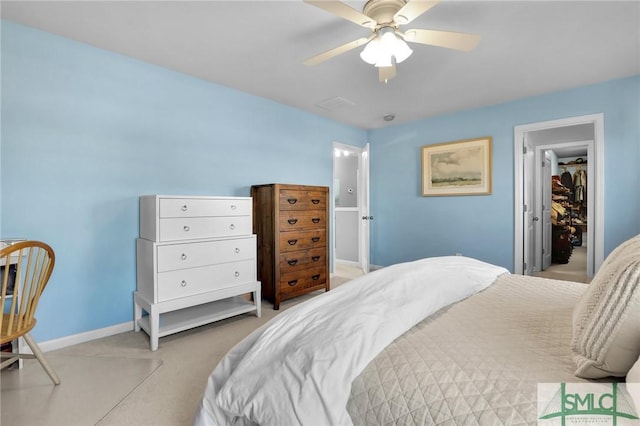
606,320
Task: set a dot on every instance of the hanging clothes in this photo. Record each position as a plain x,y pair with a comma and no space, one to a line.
580,186
566,179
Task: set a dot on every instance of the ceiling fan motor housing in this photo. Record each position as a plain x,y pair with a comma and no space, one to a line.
383,11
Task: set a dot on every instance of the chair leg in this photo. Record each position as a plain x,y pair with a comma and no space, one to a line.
40,356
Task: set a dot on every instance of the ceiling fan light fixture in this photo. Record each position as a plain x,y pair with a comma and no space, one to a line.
371,52
387,45
402,50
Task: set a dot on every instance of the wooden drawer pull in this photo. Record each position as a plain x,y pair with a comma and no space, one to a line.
315,258
292,200
292,261
183,256
186,228
315,239
184,208
315,201
183,283
315,277
292,282
315,220
292,242
292,221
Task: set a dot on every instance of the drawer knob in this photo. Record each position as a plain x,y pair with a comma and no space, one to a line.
315,258
292,282
237,250
292,261
315,239
184,208
183,283
186,228
292,200
233,206
183,256
237,274
315,201
292,242
292,221
232,226
315,220
315,277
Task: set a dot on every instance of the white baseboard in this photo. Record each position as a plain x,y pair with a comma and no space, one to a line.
347,262
63,342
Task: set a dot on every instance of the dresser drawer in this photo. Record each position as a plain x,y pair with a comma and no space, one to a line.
300,240
302,219
296,281
302,200
296,260
172,229
187,282
193,255
195,207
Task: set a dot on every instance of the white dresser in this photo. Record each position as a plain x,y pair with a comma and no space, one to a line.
196,260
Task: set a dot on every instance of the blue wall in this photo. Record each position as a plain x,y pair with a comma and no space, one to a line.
85,132
408,226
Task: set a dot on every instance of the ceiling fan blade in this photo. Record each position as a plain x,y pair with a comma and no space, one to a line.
448,39
344,11
386,73
338,50
412,10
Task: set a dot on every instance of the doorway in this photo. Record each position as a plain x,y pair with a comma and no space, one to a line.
532,144
562,208
351,216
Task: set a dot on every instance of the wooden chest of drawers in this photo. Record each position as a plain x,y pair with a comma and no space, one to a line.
292,226
196,257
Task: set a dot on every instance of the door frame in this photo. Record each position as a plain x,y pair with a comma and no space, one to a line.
597,238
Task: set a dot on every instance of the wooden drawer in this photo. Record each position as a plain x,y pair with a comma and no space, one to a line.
187,282
302,200
297,260
301,240
294,282
302,219
193,255
172,229
195,207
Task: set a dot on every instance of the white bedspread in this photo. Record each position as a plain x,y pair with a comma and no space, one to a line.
298,367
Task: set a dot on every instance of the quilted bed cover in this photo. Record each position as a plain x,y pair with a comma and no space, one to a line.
450,360
477,362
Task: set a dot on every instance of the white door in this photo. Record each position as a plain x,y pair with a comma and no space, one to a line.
546,211
363,207
528,217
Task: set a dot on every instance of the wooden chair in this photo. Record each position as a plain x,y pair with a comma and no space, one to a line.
28,264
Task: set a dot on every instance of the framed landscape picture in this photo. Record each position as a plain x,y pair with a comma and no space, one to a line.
457,168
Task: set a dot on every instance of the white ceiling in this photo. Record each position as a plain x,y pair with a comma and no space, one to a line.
526,49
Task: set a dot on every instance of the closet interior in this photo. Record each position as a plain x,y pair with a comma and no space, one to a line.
569,208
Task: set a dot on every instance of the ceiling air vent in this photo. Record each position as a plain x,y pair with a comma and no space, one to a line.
335,103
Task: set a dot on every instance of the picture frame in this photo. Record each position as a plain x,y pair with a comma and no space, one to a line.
460,167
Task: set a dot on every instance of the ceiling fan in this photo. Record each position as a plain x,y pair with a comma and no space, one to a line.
386,46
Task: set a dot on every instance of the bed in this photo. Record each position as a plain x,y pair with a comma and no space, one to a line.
445,340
